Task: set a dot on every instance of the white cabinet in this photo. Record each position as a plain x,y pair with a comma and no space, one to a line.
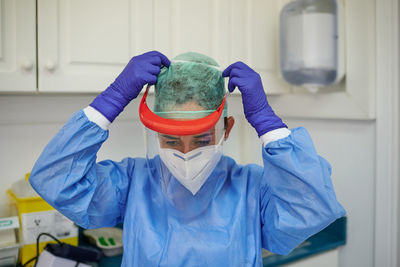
17,46
226,30
84,44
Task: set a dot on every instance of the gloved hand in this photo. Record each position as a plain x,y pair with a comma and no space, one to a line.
140,70
256,108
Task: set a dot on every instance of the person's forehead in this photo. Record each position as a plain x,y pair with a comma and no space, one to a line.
208,133
189,106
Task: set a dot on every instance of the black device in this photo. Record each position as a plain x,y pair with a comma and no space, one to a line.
80,254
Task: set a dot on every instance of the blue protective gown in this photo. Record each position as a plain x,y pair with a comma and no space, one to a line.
237,211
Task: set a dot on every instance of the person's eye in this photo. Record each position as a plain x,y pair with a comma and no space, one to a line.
171,143
203,142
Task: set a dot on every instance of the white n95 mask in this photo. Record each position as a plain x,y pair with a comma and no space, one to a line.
193,168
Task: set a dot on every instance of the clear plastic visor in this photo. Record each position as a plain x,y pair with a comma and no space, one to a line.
184,143
184,176
188,112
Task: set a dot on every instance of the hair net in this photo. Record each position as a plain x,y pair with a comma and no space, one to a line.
190,77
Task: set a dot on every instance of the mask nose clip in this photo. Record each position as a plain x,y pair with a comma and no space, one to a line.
179,156
194,156
189,157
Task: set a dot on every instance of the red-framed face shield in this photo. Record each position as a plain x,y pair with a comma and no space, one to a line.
185,143
178,126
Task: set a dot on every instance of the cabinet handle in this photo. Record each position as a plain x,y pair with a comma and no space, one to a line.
50,65
27,65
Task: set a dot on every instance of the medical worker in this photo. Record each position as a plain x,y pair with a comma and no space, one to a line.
186,204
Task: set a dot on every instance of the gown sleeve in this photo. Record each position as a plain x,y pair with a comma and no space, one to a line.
67,176
297,197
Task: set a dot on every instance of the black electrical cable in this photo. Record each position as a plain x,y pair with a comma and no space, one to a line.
37,244
26,263
62,249
37,248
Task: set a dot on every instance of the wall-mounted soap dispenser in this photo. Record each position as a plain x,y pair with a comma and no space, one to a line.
312,43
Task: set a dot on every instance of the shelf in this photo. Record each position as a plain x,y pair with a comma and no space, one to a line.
331,237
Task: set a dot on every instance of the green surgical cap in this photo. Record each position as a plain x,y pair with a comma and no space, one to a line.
190,77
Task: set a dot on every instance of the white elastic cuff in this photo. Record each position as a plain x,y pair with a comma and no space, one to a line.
96,117
275,135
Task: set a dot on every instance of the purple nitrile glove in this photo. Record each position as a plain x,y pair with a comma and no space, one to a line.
256,108
140,70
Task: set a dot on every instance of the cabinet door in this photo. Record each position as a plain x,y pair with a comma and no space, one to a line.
17,46
84,44
227,30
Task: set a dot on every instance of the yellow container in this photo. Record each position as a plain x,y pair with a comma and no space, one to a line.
36,216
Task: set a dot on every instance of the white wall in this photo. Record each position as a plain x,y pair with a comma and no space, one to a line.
28,122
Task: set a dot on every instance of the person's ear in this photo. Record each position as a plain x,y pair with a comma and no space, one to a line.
229,125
